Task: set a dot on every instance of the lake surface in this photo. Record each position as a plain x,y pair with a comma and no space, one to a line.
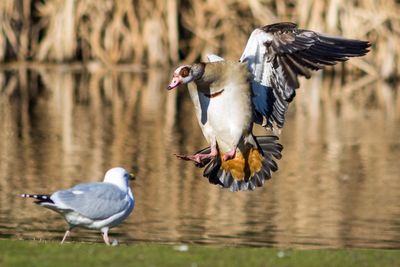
338,184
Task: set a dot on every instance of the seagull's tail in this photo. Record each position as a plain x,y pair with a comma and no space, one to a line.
39,198
249,169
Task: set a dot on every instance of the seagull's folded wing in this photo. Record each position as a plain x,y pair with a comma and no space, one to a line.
96,201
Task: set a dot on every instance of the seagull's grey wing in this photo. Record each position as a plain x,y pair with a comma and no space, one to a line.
277,54
96,201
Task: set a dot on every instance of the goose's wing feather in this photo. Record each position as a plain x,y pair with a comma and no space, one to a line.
214,58
96,201
277,54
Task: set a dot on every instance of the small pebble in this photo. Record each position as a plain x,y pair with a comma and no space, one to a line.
281,254
182,248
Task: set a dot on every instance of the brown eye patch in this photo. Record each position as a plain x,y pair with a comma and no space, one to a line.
184,71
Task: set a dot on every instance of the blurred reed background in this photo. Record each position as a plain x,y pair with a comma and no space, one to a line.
158,32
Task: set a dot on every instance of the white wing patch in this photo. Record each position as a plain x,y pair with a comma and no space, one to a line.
254,54
214,58
77,192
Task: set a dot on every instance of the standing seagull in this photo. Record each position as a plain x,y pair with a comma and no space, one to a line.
98,206
230,96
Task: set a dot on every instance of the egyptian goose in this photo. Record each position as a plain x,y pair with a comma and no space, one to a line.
230,96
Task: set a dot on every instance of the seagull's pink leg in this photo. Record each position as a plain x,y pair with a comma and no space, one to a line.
65,236
105,237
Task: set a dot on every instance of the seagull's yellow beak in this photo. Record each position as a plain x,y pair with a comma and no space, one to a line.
132,176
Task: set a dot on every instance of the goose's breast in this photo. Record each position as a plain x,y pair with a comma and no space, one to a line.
230,116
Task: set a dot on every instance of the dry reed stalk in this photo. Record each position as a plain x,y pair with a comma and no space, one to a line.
15,28
114,32
60,40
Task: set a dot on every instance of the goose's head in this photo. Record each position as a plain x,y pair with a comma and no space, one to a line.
186,74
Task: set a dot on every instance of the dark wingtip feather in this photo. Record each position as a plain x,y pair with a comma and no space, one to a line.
343,47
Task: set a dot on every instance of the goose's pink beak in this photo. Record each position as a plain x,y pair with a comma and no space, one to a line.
176,81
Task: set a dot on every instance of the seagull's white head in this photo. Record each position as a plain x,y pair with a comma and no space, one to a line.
186,74
118,176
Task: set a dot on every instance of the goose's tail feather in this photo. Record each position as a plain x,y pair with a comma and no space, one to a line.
248,170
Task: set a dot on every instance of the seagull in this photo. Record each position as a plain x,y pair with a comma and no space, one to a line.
230,96
99,205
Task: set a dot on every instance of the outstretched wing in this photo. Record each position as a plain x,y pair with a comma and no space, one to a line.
277,54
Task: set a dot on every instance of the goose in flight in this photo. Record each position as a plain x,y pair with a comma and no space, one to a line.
230,96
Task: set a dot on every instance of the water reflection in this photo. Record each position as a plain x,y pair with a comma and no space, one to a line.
338,183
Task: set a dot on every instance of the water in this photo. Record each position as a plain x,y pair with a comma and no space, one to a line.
338,183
